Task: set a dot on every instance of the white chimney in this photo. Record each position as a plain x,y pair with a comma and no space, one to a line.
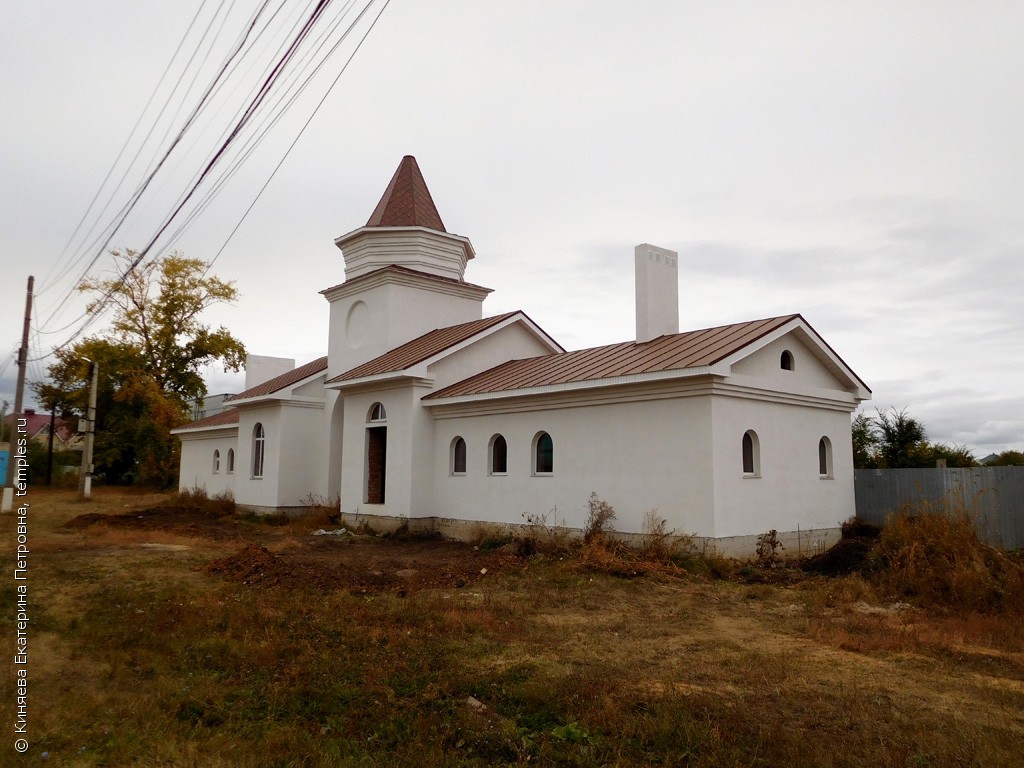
657,291
261,368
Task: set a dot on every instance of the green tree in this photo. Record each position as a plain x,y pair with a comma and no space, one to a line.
1008,459
150,364
953,455
901,439
865,442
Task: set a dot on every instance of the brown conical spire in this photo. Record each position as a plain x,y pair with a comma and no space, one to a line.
406,201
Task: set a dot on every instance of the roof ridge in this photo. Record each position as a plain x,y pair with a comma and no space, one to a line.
407,202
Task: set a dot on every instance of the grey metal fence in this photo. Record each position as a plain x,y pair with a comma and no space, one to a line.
992,496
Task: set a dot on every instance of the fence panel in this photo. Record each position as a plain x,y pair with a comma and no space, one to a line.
992,496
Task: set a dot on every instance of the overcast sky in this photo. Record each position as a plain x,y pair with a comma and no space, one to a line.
859,163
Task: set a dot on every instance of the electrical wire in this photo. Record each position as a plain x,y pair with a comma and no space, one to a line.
292,72
138,121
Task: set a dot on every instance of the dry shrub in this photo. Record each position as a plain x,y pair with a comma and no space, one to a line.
768,546
934,557
196,499
599,518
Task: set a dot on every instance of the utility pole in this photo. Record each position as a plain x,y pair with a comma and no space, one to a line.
19,394
85,475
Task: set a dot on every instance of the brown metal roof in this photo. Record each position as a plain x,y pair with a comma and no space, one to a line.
421,348
284,380
222,419
406,201
692,349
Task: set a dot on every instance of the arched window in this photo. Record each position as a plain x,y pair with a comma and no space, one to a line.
751,454
259,439
786,361
231,460
458,456
216,462
825,457
377,413
498,454
543,454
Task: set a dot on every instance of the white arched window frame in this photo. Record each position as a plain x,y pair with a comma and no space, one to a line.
216,462
751,447
786,360
497,456
259,444
377,414
457,460
825,470
543,454
231,461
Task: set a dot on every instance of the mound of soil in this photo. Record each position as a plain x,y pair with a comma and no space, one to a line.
850,553
257,566
187,521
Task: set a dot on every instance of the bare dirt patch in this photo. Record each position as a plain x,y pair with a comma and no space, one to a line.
291,556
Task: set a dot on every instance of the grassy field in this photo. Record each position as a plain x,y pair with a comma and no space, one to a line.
192,639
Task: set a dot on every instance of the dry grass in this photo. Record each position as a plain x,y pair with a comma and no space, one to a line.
139,657
934,557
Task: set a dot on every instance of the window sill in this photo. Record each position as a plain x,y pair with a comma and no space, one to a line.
497,474
543,474
456,474
751,476
826,477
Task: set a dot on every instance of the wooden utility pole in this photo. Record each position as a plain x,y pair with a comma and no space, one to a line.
19,395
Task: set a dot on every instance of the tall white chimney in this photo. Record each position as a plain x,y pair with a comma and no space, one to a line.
657,291
261,368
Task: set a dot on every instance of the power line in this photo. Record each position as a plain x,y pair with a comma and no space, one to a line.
292,71
120,154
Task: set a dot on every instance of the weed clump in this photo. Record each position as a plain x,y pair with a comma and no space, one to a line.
197,500
937,560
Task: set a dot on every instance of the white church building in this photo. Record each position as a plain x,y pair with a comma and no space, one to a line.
425,412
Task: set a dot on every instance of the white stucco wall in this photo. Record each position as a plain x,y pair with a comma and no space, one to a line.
398,403
374,319
197,461
794,409
637,456
302,444
262,491
788,491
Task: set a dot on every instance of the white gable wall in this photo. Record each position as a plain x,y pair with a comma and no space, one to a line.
510,343
808,370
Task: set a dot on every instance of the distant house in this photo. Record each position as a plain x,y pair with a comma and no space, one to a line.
209,405
37,428
425,411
